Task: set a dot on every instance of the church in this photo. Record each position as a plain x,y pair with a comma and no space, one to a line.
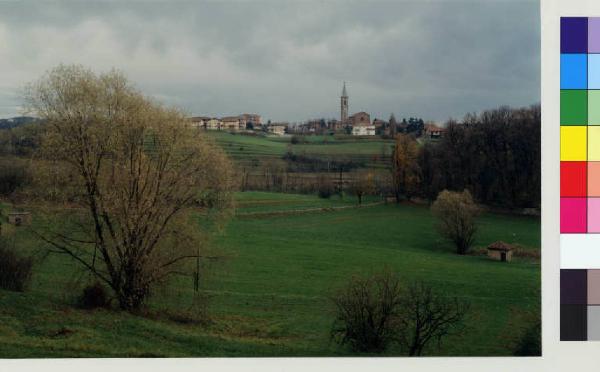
360,122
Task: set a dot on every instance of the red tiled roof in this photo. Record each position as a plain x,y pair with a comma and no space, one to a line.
500,246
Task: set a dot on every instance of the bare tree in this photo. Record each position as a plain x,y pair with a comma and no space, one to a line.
456,213
362,184
141,179
372,312
367,312
428,317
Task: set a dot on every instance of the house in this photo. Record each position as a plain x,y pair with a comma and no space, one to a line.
199,122
250,119
278,129
378,123
360,118
500,251
361,124
363,130
19,218
381,126
213,124
431,130
334,124
232,123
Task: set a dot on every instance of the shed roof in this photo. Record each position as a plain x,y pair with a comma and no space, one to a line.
500,246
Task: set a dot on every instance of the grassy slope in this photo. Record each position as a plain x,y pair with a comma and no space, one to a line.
258,202
245,148
269,298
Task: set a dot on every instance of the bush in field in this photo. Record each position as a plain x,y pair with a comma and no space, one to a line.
15,271
523,332
325,187
427,316
12,177
375,311
325,192
94,296
297,139
367,312
456,213
530,341
362,184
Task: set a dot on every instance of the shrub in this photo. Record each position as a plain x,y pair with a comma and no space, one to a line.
428,316
297,139
530,342
456,213
367,310
94,296
15,271
373,312
325,192
13,176
523,332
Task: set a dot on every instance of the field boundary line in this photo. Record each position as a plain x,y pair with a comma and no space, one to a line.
305,210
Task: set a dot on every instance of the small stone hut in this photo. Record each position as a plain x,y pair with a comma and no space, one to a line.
500,251
19,218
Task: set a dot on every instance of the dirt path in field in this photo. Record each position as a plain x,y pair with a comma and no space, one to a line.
305,210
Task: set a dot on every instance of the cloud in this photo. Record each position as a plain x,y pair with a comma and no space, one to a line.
287,61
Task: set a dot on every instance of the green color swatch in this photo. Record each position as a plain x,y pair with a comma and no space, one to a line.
573,107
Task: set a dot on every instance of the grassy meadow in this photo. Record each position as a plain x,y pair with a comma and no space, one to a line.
373,152
269,295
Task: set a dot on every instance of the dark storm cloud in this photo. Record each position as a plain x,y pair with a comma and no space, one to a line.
287,60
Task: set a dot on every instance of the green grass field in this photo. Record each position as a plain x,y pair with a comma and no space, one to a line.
269,296
373,152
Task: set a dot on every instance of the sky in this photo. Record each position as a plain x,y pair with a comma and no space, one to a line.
287,60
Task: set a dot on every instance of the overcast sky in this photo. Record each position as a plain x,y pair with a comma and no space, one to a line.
287,61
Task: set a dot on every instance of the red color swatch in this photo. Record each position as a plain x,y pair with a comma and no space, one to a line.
573,178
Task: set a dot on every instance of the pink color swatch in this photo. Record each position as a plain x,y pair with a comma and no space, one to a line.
593,215
573,215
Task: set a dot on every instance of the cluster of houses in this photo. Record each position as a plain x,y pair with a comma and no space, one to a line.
228,123
358,124
240,123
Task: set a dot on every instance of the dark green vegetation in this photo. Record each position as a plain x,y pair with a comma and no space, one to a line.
269,296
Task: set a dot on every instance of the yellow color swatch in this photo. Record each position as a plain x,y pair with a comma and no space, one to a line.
593,143
573,141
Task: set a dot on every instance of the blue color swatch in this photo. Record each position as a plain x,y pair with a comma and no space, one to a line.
573,71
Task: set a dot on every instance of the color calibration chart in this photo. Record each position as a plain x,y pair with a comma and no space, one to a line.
579,179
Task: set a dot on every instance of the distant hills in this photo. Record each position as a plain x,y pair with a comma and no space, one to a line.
16,121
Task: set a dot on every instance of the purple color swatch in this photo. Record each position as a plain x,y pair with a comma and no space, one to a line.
573,35
594,35
573,287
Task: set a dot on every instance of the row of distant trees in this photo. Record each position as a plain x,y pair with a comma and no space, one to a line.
495,155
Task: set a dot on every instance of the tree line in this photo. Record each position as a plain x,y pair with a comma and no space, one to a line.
496,155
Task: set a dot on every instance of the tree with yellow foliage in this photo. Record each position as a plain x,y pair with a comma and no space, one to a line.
141,178
405,168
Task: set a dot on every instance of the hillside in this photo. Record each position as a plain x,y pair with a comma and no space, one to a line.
247,150
269,296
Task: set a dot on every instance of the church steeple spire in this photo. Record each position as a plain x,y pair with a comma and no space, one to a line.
344,106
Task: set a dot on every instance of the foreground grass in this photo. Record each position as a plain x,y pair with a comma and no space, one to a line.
269,298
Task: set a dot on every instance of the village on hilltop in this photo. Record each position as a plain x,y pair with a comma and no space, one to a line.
357,124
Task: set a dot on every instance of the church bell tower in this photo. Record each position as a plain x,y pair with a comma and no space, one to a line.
344,106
